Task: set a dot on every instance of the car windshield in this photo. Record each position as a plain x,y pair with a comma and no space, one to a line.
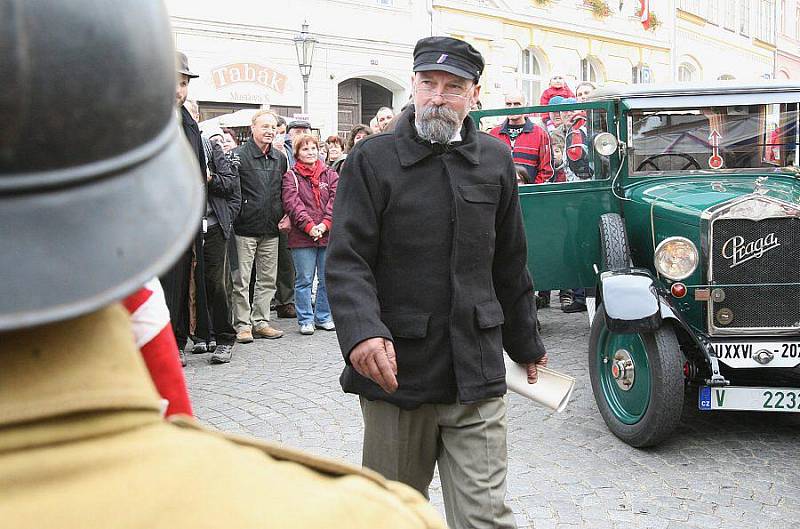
714,138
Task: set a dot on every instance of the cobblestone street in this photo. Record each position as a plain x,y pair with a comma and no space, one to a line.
729,470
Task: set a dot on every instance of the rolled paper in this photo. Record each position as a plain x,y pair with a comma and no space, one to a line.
552,389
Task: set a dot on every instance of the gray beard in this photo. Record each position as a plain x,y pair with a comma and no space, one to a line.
437,124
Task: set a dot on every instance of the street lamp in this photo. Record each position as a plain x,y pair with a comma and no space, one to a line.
304,45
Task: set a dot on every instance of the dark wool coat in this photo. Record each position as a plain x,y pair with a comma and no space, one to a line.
260,177
224,191
428,250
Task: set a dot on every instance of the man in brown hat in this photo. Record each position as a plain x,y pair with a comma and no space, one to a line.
175,281
427,279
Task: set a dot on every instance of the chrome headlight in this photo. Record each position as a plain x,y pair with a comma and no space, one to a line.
605,144
676,258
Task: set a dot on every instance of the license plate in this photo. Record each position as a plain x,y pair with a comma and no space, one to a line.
758,354
749,399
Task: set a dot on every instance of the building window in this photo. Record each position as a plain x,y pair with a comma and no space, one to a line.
797,23
744,17
531,77
715,12
687,73
765,27
588,71
695,7
783,17
641,74
730,14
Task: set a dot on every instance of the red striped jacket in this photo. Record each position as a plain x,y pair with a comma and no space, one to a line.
531,149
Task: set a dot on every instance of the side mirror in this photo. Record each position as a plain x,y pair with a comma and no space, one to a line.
605,144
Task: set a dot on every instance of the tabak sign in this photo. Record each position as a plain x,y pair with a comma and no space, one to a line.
247,72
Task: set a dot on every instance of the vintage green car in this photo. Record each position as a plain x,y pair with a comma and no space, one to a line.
687,231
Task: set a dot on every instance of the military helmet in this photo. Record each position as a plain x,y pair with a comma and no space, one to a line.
99,190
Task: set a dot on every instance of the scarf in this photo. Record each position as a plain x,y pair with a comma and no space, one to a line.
312,173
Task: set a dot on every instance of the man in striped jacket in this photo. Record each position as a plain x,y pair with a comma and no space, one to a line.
529,143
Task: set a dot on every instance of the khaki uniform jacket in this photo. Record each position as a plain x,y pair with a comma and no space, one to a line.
82,445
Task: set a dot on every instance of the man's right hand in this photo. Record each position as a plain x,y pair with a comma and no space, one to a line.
375,359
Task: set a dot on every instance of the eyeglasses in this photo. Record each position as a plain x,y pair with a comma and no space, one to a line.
447,96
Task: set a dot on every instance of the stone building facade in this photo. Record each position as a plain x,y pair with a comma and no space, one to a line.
362,61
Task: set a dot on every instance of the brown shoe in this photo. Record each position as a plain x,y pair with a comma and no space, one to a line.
265,331
286,311
244,336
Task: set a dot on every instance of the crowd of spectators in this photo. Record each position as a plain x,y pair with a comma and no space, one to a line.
286,179
263,239
551,147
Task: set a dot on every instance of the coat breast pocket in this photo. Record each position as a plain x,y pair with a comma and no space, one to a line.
479,206
410,333
480,193
489,317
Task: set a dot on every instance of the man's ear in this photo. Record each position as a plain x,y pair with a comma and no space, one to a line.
476,95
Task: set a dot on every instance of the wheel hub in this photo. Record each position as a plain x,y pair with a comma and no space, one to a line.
623,370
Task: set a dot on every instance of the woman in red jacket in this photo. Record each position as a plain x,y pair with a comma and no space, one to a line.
309,189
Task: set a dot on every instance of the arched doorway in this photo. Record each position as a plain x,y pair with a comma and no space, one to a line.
359,101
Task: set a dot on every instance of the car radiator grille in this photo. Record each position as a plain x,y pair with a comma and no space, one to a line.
734,262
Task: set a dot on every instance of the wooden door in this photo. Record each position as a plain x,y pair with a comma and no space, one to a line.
349,106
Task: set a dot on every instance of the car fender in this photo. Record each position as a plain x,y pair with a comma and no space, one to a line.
631,300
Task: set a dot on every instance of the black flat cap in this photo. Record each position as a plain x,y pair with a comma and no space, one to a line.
298,124
448,55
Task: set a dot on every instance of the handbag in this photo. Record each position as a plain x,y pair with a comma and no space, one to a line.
285,224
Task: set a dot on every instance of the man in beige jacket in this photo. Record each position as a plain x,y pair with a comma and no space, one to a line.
90,216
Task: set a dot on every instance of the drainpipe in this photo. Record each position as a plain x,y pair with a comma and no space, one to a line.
674,44
431,11
429,7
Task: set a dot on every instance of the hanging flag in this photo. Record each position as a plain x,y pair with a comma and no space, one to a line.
644,16
152,331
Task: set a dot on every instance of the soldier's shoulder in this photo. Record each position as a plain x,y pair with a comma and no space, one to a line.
373,499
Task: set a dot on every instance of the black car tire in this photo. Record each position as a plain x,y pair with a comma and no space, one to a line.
615,253
666,392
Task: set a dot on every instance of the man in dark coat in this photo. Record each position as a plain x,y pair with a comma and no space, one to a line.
261,169
175,281
427,279
224,199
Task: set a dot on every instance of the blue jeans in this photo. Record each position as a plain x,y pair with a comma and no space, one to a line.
306,261
579,295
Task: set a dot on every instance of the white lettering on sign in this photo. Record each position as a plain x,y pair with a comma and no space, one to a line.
239,97
245,72
738,252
